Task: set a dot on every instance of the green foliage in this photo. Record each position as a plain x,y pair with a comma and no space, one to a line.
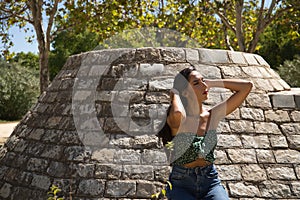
290,71
281,40
53,194
29,60
18,90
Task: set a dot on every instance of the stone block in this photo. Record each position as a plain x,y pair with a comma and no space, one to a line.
295,115
261,61
209,56
253,173
277,116
192,55
161,84
252,72
260,141
287,156
294,141
229,172
57,169
173,54
281,173
296,188
237,58
221,157
144,189
241,189
276,85
154,157
36,164
209,71
258,100
278,141
282,100
41,182
121,188
231,71
5,190
229,141
274,190
252,114
266,128
241,126
242,155
91,187
154,69
250,59
108,171
297,101
290,128
144,172
127,157
83,170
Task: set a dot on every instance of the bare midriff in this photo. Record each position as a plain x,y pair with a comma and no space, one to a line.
199,162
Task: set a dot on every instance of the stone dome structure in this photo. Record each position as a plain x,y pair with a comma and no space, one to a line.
93,132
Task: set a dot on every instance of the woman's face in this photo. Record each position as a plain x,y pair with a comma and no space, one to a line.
198,86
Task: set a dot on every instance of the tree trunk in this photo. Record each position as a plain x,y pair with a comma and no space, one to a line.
36,9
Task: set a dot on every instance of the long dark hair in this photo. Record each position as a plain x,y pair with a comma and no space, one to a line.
180,83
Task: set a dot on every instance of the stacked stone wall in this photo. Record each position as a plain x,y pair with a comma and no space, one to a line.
93,132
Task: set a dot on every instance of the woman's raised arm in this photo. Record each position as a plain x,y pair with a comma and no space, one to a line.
240,89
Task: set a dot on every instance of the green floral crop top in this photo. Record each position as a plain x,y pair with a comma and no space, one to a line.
189,146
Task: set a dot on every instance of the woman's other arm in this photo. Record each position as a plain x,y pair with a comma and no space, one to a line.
177,112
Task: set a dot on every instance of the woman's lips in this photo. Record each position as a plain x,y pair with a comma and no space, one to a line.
205,92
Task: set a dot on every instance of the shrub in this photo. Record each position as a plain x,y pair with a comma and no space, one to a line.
19,88
290,71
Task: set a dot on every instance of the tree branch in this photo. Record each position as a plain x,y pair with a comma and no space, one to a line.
50,23
223,18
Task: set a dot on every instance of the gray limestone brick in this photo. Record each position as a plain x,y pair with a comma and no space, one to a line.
281,172
295,115
237,58
242,155
266,128
192,55
290,128
161,84
229,141
209,71
41,182
259,141
250,59
231,72
261,61
5,190
208,56
121,188
221,157
265,156
277,116
145,188
241,189
274,190
258,100
278,141
144,172
282,101
253,173
173,54
229,172
276,85
252,114
241,126
294,141
91,187
287,156
252,72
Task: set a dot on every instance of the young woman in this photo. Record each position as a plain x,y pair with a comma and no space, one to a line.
192,130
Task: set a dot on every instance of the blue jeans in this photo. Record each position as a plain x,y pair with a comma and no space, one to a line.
195,184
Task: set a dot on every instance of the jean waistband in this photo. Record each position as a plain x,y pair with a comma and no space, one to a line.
195,170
